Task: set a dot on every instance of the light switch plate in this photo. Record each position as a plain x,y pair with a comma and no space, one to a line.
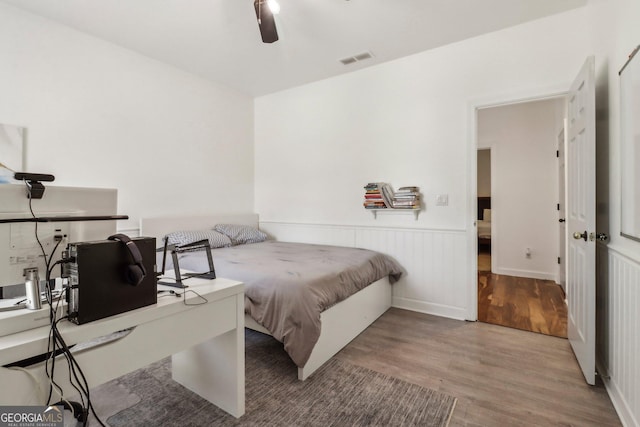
442,200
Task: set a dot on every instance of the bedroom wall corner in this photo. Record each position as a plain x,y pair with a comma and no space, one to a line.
404,122
99,115
618,268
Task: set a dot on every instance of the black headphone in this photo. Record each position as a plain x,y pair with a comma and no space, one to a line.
135,271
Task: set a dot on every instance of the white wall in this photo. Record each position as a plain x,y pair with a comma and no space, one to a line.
405,122
523,139
619,34
99,115
616,33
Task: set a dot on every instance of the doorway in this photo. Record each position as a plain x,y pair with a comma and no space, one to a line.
517,219
483,217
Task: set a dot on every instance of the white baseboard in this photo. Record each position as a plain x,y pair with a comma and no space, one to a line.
618,400
624,412
531,274
429,308
618,339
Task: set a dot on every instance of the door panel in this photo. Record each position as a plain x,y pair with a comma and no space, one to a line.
581,218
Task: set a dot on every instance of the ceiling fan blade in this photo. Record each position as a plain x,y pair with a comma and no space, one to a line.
266,23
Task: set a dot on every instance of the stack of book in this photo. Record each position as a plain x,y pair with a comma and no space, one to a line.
406,198
373,196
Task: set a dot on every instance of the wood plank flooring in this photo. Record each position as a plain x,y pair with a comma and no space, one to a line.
484,261
501,376
523,303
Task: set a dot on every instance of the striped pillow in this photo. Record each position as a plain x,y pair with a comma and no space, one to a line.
240,234
216,239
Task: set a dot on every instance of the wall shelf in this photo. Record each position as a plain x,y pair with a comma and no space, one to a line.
395,211
380,197
64,218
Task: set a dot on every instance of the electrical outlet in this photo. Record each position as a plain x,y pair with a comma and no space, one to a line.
527,253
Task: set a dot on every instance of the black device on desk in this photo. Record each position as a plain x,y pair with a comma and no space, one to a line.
160,274
110,277
189,247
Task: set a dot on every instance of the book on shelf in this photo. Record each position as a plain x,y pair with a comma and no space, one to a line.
407,198
377,195
380,195
375,205
406,205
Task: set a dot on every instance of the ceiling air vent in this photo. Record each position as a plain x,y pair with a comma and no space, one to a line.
356,58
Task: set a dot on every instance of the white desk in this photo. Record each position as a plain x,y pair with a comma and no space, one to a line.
206,343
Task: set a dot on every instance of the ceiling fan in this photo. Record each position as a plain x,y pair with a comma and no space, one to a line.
265,9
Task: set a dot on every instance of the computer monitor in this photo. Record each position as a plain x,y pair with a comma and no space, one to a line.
19,248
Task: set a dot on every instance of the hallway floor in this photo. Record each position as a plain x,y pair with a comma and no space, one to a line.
522,303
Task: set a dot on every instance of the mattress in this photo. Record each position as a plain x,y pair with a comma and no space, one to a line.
288,285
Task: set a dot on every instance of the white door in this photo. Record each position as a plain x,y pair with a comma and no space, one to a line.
581,246
562,206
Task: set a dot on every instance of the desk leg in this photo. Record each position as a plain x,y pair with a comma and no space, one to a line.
214,369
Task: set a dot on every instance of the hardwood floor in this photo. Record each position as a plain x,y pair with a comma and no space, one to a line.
484,262
529,304
501,376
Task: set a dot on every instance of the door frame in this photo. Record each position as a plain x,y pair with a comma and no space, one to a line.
562,213
493,150
534,94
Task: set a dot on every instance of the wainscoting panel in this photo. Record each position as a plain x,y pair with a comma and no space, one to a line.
310,233
435,260
131,232
618,320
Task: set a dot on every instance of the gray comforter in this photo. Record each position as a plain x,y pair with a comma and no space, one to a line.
288,285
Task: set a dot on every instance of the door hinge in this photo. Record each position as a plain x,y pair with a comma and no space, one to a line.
559,260
558,153
558,206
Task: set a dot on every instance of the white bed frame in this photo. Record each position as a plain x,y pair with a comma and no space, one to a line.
340,323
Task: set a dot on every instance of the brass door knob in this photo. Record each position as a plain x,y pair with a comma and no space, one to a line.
578,235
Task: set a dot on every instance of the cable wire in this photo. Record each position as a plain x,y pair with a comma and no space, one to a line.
56,343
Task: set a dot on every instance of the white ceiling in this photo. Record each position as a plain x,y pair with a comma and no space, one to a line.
219,39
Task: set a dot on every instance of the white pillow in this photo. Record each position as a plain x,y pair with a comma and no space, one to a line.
183,237
486,215
240,234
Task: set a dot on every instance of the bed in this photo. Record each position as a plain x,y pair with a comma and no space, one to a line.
292,319
484,223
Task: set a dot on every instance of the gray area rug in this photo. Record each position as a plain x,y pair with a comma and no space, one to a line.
338,394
